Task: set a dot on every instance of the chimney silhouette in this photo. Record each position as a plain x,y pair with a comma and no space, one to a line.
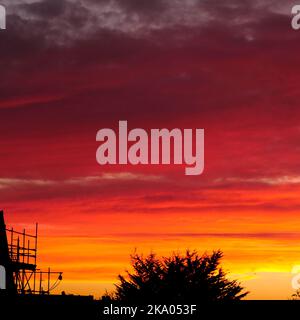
5,260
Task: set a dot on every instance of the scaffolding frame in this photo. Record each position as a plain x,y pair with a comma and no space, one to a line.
22,253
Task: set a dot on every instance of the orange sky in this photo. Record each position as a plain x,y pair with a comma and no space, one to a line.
72,68
260,247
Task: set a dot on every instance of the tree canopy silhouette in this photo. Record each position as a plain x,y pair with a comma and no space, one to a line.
178,278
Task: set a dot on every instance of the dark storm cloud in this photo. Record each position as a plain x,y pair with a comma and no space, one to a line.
105,26
46,8
144,6
73,20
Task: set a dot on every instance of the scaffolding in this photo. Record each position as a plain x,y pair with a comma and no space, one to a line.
18,255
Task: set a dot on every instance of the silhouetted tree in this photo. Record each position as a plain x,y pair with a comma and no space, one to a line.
296,295
177,279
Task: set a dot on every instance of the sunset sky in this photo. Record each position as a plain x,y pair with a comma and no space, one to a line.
72,67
